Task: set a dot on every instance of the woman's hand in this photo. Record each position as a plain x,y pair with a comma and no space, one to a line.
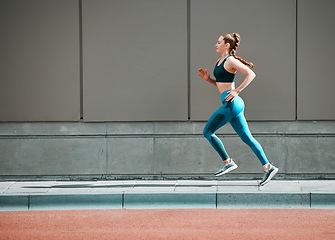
204,74
231,95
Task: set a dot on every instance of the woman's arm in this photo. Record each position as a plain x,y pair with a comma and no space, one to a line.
205,76
250,75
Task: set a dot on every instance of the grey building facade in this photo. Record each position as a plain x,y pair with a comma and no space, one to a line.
109,88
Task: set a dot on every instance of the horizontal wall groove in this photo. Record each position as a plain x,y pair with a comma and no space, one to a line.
159,136
166,176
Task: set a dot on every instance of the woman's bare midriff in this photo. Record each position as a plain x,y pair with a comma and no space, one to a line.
224,86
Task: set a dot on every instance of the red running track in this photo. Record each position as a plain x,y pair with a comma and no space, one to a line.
169,224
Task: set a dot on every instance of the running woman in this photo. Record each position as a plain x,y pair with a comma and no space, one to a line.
232,109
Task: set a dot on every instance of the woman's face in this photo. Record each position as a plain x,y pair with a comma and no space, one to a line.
220,45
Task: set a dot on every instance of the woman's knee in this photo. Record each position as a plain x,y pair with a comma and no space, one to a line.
207,134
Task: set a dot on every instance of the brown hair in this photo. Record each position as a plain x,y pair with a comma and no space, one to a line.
234,40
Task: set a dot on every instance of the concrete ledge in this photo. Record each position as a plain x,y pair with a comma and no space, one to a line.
170,200
180,200
75,201
14,203
263,200
323,200
173,194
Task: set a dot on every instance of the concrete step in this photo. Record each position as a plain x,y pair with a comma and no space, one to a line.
57,195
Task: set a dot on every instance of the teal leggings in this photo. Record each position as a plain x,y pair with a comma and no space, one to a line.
232,112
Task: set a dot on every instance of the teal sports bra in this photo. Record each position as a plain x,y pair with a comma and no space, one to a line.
221,74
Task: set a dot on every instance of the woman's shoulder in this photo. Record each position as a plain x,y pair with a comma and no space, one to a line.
232,60
232,63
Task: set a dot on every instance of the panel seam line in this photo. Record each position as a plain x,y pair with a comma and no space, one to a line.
81,70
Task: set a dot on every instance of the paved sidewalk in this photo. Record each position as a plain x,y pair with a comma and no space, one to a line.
58,195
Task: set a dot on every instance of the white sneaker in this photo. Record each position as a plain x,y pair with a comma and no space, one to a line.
226,168
269,174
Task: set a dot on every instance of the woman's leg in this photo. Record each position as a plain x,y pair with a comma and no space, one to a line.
219,118
240,125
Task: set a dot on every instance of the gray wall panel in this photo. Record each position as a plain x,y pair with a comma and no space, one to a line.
130,153
319,149
52,156
267,31
135,60
39,63
316,52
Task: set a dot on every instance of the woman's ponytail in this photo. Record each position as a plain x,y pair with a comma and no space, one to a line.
234,40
